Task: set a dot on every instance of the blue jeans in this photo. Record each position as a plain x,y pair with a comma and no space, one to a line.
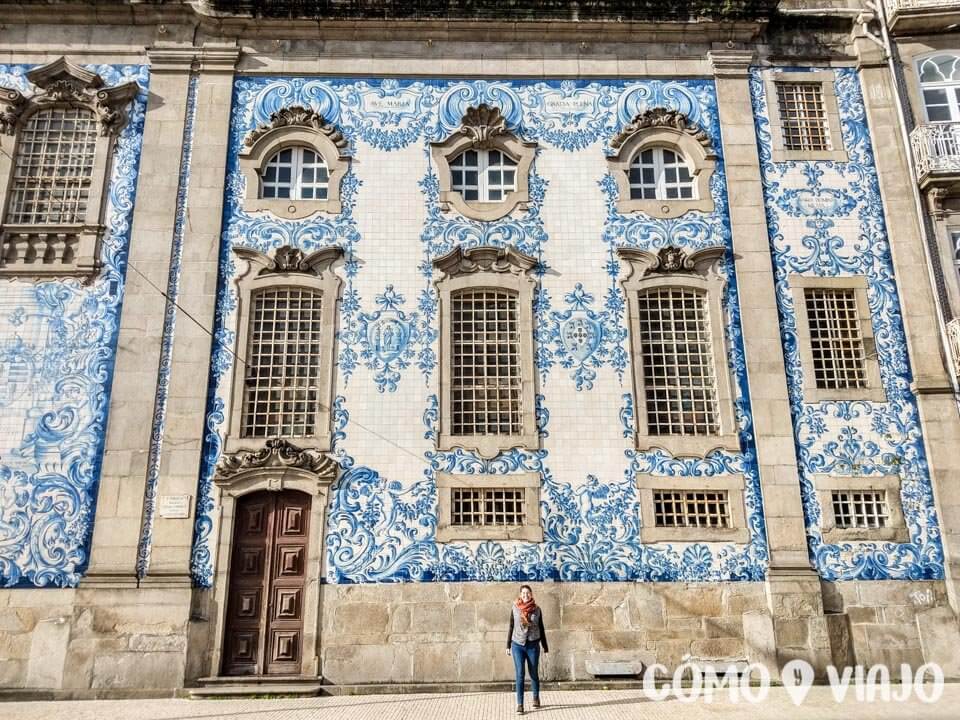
531,653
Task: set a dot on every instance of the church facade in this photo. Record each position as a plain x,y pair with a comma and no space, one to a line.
318,338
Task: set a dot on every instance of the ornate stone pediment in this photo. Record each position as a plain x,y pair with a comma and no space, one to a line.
671,260
660,117
62,82
482,123
460,261
299,116
289,259
277,454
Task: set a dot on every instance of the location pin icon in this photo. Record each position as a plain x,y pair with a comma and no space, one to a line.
797,677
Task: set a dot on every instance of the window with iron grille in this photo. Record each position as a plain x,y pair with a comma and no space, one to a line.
483,175
691,508
803,117
487,506
860,508
659,173
486,386
679,380
281,389
53,168
836,342
296,173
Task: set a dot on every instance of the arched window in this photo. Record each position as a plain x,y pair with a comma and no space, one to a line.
483,175
53,167
658,173
940,83
296,173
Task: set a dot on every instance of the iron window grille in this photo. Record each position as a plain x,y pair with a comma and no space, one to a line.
803,116
281,389
691,508
487,506
836,342
679,378
860,509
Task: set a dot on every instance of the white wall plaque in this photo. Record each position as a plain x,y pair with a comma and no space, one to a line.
174,506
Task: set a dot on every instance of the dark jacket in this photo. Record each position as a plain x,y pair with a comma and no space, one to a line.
534,633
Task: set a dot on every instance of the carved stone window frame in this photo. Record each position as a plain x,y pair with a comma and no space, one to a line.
659,127
288,267
738,532
531,530
825,79
874,390
277,466
484,128
896,531
700,270
60,250
499,269
292,127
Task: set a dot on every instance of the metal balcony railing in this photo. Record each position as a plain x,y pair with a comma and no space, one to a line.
936,148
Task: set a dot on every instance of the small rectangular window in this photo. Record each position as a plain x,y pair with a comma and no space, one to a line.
281,390
486,385
836,342
498,507
860,509
803,116
691,509
678,367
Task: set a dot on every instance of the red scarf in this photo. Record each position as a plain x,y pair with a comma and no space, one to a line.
526,608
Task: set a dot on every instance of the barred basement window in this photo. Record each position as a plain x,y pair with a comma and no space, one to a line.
53,167
678,368
486,384
835,340
283,364
691,509
487,506
296,173
860,509
658,173
803,118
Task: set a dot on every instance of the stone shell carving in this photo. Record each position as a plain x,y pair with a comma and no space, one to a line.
287,259
671,259
276,454
660,117
299,116
483,123
484,258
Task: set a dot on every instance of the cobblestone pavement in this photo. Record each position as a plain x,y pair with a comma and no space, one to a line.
558,705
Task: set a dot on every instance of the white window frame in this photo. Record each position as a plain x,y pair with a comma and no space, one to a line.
952,86
483,168
296,184
659,165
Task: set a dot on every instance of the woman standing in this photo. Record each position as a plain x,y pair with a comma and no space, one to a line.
523,642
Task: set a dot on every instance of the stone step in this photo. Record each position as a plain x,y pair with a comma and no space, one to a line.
222,687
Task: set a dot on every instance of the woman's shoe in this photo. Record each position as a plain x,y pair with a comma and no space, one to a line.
536,703
519,709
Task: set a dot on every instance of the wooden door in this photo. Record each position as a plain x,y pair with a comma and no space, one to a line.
264,629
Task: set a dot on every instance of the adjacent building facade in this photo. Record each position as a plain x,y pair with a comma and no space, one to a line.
318,338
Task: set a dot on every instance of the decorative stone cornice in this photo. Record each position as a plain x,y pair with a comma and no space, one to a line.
460,261
289,259
660,117
483,123
733,63
61,82
299,116
670,260
277,454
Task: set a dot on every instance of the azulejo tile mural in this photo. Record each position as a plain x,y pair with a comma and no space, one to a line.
826,219
57,346
382,515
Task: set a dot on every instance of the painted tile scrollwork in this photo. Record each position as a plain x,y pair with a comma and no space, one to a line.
826,219
57,348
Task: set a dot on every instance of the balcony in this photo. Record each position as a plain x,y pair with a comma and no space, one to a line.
936,150
913,17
